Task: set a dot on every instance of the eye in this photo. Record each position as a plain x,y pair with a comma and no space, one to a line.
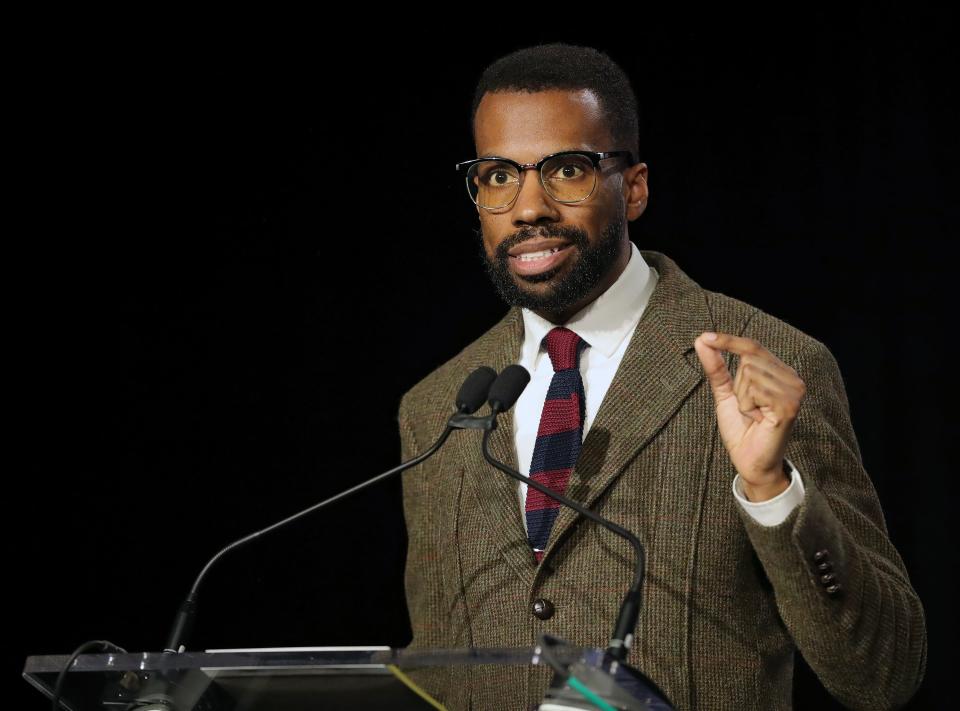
567,168
496,175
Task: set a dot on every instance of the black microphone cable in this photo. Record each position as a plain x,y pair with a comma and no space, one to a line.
101,644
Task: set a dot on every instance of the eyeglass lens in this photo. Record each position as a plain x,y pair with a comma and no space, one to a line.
567,178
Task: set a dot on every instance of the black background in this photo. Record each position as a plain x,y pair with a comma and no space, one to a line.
229,258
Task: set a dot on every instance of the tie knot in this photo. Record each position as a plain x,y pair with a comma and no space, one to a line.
564,348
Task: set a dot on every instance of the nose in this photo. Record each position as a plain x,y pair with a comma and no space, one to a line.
532,204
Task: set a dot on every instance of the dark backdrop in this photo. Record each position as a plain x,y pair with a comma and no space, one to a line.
229,262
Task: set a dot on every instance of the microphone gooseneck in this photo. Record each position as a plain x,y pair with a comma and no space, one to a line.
470,397
503,394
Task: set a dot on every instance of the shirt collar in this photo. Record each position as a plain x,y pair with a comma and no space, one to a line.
605,321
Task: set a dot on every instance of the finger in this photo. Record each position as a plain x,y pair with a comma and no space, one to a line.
753,366
738,376
750,349
762,358
741,345
746,399
741,387
761,389
774,364
715,369
783,380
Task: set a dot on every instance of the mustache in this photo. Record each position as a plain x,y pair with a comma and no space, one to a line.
576,236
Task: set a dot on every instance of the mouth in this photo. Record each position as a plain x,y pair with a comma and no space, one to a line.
538,256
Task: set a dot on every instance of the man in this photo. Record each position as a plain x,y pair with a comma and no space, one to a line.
763,533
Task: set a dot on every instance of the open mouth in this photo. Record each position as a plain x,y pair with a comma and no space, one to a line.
537,255
539,261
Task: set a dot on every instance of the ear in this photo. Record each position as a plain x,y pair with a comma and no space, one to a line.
636,191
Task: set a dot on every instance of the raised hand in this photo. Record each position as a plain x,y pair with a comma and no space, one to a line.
755,410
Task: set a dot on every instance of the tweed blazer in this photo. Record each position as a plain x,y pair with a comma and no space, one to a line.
726,601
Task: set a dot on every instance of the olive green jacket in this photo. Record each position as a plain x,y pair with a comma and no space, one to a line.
726,600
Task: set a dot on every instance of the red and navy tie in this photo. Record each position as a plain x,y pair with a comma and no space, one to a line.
559,436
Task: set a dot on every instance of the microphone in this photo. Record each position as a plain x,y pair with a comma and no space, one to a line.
507,387
473,392
470,397
504,392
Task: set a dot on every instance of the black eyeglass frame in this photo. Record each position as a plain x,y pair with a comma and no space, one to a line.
594,156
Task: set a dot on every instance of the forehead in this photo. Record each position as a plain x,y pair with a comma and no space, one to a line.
525,126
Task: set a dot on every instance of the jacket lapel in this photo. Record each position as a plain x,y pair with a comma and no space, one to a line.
659,370
496,492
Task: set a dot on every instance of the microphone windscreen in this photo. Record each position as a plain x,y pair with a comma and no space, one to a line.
473,392
507,387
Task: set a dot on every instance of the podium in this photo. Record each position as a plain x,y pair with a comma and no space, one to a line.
289,679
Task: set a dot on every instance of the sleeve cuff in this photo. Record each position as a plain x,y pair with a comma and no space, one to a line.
775,510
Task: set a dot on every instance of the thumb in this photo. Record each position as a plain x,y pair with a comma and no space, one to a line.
717,374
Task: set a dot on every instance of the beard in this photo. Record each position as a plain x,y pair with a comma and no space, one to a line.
590,266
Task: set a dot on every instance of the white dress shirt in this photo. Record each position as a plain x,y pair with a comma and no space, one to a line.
607,324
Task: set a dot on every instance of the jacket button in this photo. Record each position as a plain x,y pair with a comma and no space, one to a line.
543,609
834,589
828,578
825,567
821,555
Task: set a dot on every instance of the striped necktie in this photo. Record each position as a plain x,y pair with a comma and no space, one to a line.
559,436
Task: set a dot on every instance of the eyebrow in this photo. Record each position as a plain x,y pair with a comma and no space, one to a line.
559,150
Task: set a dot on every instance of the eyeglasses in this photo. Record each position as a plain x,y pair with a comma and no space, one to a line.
567,176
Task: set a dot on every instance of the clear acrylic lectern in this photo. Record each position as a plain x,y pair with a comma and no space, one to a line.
253,680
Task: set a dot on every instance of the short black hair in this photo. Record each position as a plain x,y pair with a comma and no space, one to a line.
565,66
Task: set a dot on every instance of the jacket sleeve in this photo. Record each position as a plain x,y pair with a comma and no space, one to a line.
862,631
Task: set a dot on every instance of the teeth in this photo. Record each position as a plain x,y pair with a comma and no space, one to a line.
530,256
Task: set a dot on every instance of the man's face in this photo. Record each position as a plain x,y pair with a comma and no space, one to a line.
551,257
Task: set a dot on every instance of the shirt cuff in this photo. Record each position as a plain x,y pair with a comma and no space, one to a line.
775,510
